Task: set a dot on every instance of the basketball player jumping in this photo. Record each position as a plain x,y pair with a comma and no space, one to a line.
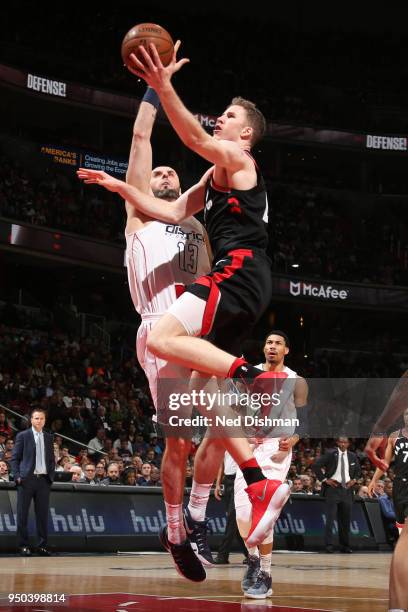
273,450
224,304
157,270
396,405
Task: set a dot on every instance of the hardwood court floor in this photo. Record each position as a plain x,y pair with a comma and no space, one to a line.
143,582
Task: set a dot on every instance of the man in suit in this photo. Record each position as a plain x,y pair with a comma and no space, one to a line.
338,471
33,465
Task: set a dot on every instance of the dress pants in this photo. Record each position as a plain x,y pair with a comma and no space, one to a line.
339,502
37,488
231,529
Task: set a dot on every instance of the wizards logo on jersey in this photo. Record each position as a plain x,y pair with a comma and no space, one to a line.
177,230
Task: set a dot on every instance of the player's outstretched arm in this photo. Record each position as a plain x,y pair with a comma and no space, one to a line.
189,203
139,170
140,157
219,152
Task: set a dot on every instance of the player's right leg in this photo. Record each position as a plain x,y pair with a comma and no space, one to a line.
399,573
207,462
173,536
243,512
174,338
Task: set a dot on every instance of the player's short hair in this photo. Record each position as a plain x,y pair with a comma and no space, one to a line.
256,119
37,410
278,332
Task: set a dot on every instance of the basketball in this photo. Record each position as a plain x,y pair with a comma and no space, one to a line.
144,34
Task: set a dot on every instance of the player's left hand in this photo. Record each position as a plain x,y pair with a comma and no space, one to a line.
97,177
285,444
152,70
375,449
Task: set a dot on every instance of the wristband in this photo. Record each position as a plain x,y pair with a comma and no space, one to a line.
151,97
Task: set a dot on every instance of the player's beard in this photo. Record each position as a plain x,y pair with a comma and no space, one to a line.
167,194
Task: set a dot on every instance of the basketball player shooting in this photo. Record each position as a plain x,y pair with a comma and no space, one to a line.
224,304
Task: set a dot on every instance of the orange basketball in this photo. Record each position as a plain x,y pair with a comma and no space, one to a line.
144,34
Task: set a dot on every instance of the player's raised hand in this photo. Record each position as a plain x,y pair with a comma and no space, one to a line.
97,177
375,449
151,68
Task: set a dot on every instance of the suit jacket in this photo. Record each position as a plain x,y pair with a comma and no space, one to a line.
329,461
24,455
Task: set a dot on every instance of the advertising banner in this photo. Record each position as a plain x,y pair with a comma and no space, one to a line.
78,158
345,294
127,106
139,515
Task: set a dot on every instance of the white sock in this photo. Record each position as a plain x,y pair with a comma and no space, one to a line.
266,563
198,500
253,551
176,532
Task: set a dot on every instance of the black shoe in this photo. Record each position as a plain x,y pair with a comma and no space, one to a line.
24,551
346,549
251,573
187,563
329,550
43,551
197,534
221,560
262,587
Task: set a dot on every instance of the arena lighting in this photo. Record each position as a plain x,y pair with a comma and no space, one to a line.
295,265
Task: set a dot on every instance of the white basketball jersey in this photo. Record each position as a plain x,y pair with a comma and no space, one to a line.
286,408
161,257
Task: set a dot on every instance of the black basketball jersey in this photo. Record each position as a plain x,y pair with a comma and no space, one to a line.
400,466
236,219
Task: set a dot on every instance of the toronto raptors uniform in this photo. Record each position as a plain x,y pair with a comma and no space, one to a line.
266,446
238,288
161,260
400,483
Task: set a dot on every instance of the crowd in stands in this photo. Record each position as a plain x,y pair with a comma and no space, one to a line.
327,237
56,202
104,404
90,397
312,229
